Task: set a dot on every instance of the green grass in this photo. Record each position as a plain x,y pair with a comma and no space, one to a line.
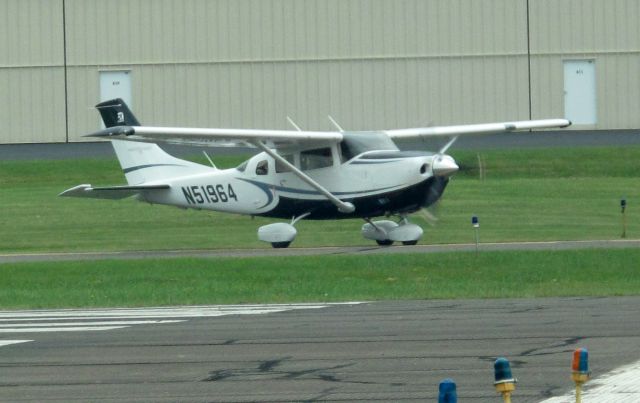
555,194
321,278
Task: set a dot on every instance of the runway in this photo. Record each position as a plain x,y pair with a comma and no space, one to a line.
374,351
343,250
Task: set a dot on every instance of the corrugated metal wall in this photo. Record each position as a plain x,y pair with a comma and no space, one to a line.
369,63
605,31
31,71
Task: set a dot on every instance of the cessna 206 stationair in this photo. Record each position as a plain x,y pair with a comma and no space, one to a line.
298,175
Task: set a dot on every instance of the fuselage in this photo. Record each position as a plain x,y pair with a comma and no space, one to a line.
376,182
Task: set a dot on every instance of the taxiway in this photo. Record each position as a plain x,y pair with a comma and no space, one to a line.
380,351
341,250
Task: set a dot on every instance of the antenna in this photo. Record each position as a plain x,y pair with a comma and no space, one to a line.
211,162
335,123
449,144
292,123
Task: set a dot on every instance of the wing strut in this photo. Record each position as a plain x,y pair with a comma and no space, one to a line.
343,207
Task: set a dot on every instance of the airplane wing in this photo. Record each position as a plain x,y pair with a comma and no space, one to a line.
279,139
459,130
290,139
111,192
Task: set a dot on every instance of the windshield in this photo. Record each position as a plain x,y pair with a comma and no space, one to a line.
242,167
356,143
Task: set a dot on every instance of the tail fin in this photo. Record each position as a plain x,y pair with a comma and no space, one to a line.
143,162
115,112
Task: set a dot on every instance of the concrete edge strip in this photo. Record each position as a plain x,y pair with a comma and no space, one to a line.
620,386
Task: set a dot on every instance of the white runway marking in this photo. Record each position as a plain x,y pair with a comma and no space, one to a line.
109,323
618,386
61,329
90,320
8,342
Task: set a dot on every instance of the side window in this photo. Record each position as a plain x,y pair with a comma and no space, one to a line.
242,166
314,159
262,168
280,167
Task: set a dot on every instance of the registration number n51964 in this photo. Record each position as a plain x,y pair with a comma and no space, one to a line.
201,194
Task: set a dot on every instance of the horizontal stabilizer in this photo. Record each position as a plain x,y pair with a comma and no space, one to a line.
110,192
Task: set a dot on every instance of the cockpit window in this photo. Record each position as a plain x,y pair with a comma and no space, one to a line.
262,168
317,158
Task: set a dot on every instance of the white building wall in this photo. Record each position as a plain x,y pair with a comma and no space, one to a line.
31,71
369,63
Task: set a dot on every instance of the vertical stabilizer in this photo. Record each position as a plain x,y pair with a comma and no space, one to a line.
143,162
115,112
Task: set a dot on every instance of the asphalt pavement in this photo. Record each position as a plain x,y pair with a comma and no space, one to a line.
379,351
332,250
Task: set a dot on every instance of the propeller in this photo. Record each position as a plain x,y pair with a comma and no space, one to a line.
444,165
428,216
431,199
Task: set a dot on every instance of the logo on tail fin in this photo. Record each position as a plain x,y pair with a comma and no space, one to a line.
120,117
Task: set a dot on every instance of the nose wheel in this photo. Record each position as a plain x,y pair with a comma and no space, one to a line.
386,232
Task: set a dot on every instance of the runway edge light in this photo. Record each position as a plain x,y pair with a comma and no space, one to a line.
505,383
580,370
623,208
476,225
447,391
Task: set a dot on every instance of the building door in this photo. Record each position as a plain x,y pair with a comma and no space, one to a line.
115,84
580,91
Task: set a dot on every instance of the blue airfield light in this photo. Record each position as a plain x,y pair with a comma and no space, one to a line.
502,371
505,382
475,222
623,206
476,227
447,392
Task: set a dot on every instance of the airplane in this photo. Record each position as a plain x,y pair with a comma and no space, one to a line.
298,174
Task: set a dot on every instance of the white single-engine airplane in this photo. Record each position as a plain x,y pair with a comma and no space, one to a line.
299,174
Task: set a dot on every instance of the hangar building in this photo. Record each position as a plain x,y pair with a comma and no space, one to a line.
368,63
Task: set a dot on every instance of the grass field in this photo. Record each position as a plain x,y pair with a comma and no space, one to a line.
557,194
321,278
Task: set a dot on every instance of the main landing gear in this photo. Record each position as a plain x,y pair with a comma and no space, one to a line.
386,232
280,234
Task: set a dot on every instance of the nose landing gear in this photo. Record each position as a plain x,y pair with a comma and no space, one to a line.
386,232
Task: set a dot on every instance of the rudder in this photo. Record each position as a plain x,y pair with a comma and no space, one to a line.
115,112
